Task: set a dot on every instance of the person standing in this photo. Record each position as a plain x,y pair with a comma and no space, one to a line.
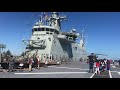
108,64
94,66
46,62
38,62
30,64
91,62
119,62
113,62
11,64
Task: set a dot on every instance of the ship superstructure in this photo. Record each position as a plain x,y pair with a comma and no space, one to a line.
50,43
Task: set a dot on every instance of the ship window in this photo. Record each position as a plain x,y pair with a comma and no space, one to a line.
42,29
47,32
51,30
70,38
38,38
35,29
47,29
39,29
50,33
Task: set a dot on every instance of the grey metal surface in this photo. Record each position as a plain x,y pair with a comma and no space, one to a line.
48,40
81,67
73,70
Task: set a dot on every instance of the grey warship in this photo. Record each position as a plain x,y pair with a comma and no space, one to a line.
50,43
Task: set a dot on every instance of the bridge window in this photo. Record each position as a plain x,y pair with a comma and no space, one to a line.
35,29
47,29
39,29
47,32
42,29
51,30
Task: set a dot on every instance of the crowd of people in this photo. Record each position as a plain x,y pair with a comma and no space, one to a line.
97,65
101,65
30,62
36,62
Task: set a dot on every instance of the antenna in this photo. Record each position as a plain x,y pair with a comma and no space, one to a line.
83,33
83,37
41,18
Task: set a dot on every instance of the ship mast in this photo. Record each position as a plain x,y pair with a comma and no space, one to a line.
55,20
82,40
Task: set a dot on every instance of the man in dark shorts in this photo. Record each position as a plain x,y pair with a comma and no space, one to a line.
92,58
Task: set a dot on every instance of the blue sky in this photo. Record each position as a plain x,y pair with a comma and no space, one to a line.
102,30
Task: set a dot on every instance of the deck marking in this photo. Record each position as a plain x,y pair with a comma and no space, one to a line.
114,71
110,74
114,66
118,73
92,75
54,73
69,68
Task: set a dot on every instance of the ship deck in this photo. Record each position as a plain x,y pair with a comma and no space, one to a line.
73,70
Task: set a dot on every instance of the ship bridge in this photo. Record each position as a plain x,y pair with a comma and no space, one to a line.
47,29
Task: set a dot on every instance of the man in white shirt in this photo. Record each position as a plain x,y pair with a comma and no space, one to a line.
46,62
38,62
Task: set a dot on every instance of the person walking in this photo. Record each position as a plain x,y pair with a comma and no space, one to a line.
97,71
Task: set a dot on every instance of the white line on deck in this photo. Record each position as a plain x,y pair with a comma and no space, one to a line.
114,71
110,74
118,73
69,68
54,73
92,75
114,66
